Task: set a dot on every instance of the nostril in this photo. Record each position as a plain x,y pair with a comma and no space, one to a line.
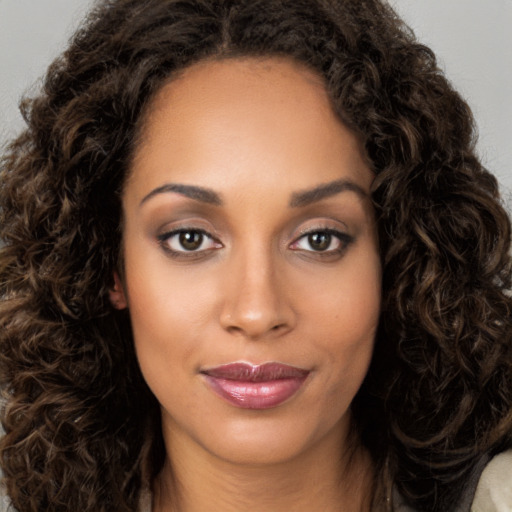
255,320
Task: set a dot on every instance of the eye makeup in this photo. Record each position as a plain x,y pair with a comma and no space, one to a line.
186,242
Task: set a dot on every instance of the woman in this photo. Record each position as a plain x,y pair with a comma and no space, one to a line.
251,263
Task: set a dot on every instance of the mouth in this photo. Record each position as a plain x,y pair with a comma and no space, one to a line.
250,386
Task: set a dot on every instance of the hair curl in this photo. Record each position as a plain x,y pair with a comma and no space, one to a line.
81,428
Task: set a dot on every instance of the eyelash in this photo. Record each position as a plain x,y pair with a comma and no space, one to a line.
165,240
344,240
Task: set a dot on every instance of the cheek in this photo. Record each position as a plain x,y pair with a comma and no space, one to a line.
167,340
158,311
172,310
162,294
347,303
161,315
343,314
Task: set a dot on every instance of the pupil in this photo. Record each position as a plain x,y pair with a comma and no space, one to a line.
191,240
319,241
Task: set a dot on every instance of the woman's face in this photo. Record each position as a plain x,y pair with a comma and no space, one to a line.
249,240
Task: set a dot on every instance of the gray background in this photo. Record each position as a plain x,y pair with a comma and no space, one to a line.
472,38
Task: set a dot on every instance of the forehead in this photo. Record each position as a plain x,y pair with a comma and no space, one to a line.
251,78
249,114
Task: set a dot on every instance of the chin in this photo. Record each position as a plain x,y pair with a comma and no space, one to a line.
264,440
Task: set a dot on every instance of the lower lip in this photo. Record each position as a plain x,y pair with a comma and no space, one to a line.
255,395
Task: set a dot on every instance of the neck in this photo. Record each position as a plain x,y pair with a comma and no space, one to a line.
314,480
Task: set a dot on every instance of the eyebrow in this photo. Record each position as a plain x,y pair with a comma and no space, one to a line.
323,191
205,195
298,199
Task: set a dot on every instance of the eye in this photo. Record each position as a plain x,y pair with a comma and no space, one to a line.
323,241
187,241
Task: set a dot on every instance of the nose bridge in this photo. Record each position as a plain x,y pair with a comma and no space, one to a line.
255,301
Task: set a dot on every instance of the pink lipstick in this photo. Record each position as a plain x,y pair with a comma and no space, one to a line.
255,386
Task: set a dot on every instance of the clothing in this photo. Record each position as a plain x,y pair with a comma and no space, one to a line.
493,491
145,501
466,500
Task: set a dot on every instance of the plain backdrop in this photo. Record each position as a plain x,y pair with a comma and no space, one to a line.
472,38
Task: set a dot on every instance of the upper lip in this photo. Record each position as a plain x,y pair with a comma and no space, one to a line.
247,372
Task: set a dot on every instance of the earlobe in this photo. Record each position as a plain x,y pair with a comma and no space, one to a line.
116,294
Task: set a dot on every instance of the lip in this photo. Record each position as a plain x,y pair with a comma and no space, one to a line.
249,386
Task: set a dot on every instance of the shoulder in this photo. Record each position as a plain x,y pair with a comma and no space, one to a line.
4,502
145,501
494,490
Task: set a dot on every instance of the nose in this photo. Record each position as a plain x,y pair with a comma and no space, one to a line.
256,299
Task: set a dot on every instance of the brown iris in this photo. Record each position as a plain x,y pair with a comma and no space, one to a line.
191,240
319,241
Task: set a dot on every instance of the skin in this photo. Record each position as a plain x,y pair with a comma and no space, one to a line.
256,289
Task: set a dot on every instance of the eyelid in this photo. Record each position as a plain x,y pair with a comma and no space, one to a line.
163,239
344,238
187,223
334,232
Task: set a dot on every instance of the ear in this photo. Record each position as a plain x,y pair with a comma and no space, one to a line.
116,294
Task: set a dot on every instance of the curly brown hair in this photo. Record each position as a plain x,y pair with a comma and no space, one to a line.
82,430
